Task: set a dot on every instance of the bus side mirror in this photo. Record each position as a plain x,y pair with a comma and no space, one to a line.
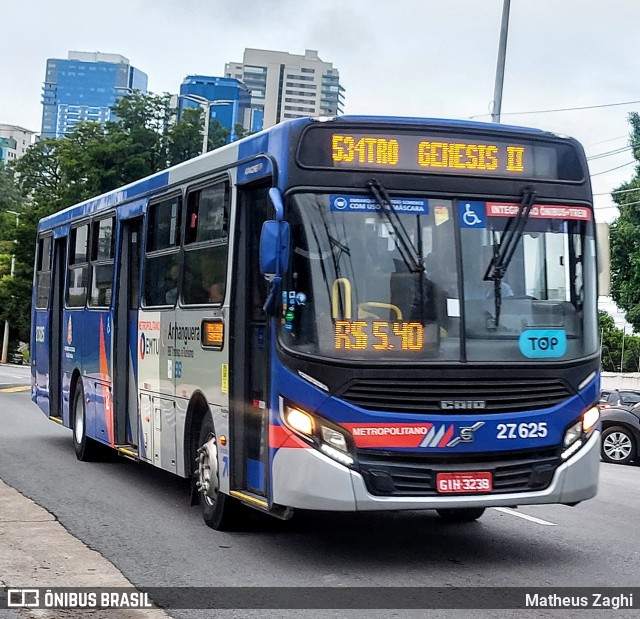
274,248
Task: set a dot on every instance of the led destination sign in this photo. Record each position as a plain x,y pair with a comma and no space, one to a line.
438,153
435,153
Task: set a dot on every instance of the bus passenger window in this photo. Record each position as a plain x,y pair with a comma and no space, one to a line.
43,272
78,272
206,245
162,259
102,252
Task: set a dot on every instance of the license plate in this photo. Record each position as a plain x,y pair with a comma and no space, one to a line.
454,483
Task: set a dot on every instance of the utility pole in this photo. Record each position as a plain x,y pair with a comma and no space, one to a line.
5,339
502,54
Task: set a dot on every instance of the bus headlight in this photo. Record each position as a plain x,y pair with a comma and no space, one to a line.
573,434
334,445
577,434
334,439
328,438
299,420
590,419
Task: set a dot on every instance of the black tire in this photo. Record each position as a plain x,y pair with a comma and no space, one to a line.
618,445
461,514
219,511
86,448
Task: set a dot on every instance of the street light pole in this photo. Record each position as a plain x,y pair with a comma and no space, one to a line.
5,339
502,54
207,105
234,113
205,137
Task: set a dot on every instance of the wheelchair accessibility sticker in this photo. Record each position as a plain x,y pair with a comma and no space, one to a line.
472,214
543,343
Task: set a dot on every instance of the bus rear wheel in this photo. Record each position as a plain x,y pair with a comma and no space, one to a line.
219,511
462,514
86,448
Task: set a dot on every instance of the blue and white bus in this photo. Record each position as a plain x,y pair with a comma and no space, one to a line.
355,313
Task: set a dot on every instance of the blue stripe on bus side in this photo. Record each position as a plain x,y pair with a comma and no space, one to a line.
106,201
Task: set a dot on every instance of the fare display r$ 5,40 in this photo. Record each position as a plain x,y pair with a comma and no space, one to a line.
378,335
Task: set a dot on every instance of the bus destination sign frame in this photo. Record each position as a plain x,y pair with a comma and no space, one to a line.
430,152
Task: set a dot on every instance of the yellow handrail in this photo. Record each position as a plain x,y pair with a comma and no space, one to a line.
335,297
362,308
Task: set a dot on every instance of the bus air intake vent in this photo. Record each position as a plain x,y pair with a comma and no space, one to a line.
395,474
498,395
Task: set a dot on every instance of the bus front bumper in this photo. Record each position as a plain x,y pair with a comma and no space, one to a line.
307,479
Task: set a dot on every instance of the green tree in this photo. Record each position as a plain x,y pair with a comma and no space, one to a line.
13,290
218,135
143,138
185,137
138,140
10,203
611,341
241,132
614,352
625,238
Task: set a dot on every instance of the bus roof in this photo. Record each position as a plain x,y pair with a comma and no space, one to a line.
463,125
254,145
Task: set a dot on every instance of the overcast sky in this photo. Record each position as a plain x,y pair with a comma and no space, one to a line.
406,57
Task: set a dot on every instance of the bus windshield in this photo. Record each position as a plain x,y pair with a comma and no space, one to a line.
355,292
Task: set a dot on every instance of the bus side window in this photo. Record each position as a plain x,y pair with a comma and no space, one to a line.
102,252
162,256
206,245
43,272
78,272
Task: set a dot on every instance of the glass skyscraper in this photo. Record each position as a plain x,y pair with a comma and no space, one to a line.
84,87
229,100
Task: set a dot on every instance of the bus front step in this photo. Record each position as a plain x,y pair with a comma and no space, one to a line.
127,451
251,499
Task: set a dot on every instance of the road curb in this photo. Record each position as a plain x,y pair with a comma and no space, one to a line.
37,551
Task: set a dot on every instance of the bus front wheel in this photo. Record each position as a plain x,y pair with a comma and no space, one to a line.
219,511
461,514
86,449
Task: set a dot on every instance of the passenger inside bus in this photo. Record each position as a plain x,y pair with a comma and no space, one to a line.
216,293
171,284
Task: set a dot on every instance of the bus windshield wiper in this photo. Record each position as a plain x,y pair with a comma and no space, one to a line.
407,249
504,250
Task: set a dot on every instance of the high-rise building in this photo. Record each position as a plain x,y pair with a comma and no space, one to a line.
226,99
14,142
84,87
7,150
287,85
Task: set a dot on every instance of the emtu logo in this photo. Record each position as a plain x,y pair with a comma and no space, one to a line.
143,345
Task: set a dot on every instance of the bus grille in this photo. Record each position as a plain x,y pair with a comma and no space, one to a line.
405,395
394,474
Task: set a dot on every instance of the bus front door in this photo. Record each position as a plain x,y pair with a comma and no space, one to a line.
126,344
249,354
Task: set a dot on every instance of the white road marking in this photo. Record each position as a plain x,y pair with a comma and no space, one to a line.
513,512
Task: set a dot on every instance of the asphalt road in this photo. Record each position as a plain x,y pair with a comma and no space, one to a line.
139,518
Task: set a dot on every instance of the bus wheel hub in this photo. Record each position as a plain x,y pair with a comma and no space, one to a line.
207,482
